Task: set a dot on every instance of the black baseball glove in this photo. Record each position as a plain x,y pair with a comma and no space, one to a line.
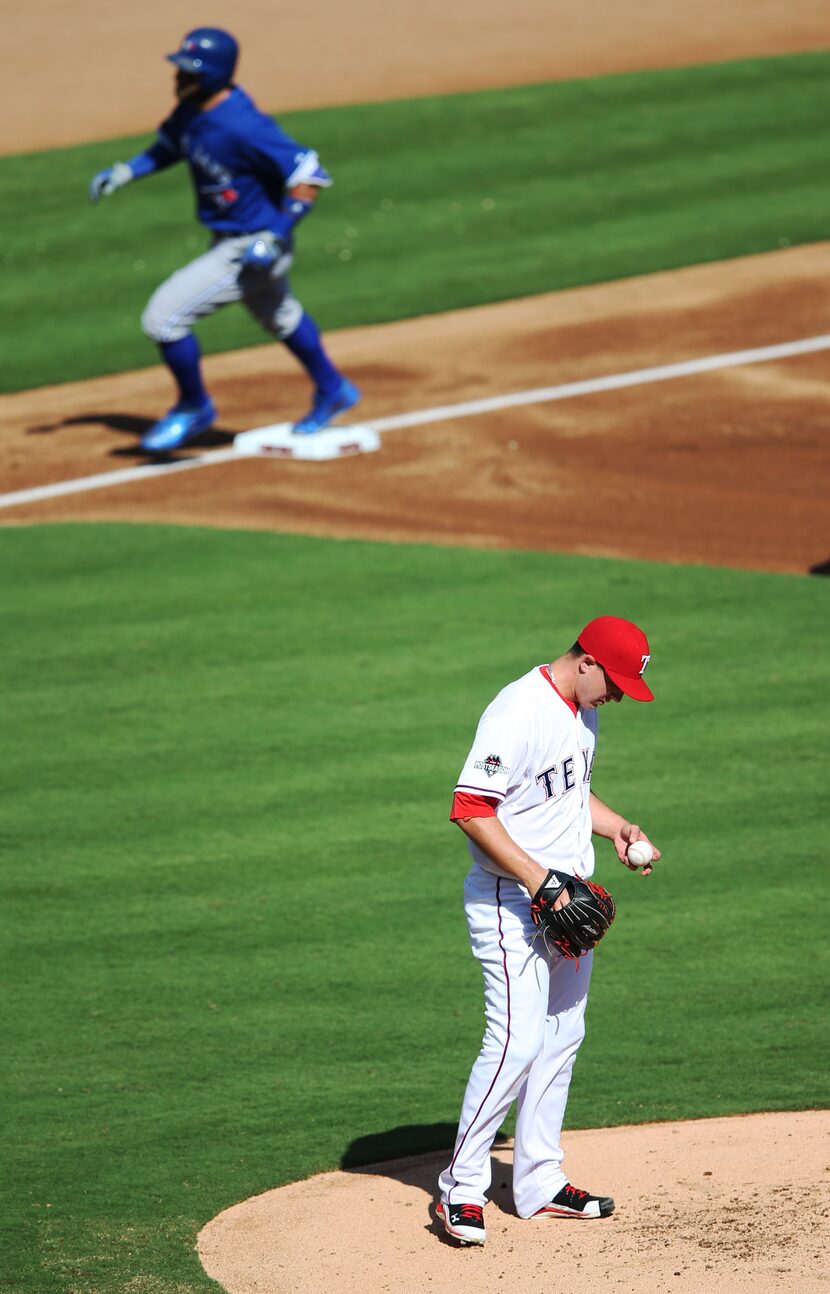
580,924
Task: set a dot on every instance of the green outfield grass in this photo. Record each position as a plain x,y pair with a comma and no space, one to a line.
438,203
232,936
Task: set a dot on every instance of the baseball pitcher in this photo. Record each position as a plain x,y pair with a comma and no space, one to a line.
524,800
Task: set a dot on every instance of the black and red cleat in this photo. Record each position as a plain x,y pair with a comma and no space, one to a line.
571,1202
463,1222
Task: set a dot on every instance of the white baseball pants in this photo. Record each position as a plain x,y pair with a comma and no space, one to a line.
535,1013
214,280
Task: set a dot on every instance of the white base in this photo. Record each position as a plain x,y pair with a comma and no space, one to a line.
279,441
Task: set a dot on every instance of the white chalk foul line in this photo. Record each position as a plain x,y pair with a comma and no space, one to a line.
83,483
612,382
542,395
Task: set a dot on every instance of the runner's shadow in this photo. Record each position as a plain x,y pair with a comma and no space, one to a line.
820,568
130,425
125,422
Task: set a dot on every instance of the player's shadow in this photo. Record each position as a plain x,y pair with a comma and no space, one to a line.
414,1155
396,1143
129,425
820,568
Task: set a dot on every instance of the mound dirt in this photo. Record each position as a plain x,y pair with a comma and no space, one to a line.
736,1205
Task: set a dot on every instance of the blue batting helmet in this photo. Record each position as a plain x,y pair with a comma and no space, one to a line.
209,53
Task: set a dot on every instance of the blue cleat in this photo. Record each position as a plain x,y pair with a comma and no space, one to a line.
183,423
327,405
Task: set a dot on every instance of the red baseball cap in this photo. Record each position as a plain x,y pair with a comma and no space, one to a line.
623,652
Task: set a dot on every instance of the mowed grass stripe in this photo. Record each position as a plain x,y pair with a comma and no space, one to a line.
438,203
231,896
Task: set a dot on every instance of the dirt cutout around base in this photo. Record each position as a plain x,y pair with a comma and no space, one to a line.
730,467
735,1205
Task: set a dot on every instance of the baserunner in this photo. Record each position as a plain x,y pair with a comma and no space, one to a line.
253,185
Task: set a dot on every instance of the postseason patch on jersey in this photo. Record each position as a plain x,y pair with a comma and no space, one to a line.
492,765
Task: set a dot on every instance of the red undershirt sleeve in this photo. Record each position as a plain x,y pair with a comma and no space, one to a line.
465,805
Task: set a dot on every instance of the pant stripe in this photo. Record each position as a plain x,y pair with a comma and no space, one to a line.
187,307
472,1123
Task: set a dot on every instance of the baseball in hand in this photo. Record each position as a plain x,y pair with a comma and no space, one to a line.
640,853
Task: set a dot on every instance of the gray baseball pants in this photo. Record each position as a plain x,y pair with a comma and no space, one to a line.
216,279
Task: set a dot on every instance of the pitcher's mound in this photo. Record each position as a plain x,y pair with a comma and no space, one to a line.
738,1206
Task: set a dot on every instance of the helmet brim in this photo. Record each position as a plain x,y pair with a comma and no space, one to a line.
187,63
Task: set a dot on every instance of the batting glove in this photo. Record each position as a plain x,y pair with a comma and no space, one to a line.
106,182
262,252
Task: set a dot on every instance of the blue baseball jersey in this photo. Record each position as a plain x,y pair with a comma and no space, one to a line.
241,162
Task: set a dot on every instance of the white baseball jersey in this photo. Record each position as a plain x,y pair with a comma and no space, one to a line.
534,753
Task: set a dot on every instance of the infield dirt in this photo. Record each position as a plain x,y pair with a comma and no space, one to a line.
732,468
97,71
